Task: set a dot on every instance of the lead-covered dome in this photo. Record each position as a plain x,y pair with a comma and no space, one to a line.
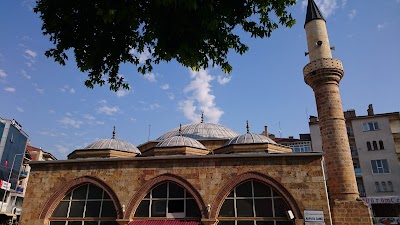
249,138
112,144
201,131
179,141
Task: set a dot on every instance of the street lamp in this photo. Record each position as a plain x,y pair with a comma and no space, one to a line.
8,181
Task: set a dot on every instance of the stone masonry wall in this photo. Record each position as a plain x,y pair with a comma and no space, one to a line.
301,176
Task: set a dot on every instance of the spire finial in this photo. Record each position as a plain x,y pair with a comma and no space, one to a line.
247,126
113,137
202,116
180,129
313,12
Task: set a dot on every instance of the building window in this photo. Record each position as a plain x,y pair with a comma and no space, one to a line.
384,189
381,145
87,204
377,187
375,144
370,126
369,146
380,166
390,186
168,200
250,203
301,147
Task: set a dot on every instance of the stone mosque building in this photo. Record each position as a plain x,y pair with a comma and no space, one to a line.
205,173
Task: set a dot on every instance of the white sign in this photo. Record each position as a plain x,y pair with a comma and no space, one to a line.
313,216
382,200
5,185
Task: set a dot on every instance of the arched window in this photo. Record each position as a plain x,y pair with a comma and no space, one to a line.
375,145
87,204
254,203
384,189
168,200
369,146
377,187
381,145
390,186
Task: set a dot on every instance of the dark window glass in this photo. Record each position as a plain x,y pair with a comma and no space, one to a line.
80,192
244,190
192,210
244,207
280,207
375,145
106,196
261,190
263,207
274,193
176,191
227,209
284,222
230,194
158,208
76,209
108,223
91,222
385,166
67,197
245,222
57,222
93,209
381,145
160,191
265,222
61,210
75,223
95,192
143,209
226,223
108,209
175,206
147,196
369,146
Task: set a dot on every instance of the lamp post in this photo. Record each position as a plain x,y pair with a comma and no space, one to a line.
8,181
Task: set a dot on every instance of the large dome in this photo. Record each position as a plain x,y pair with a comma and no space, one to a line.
249,138
201,131
178,141
112,144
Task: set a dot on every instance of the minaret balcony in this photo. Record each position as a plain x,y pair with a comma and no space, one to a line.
324,70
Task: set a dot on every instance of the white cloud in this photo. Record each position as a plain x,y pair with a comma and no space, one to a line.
30,54
132,119
352,14
61,149
200,98
19,109
381,26
25,74
164,86
327,7
10,89
142,56
52,111
103,101
71,122
3,74
122,93
150,77
39,90
223,79
89,117
171,96
152,106
108,110
66,88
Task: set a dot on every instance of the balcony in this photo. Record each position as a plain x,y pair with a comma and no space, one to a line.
24,174
19,189
358,172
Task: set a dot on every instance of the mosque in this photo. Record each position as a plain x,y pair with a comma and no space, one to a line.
205,173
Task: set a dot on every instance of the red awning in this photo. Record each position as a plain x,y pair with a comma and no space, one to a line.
163,222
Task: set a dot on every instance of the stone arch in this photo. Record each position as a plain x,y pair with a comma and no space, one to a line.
52,203
137,198
228,187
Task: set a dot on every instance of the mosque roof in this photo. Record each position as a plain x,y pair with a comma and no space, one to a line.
201,131
313,12
112,144
249,138
178,141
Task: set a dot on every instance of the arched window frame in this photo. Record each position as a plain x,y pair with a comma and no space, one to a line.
381,146
375,144
369,146
390,186
377,187
384,188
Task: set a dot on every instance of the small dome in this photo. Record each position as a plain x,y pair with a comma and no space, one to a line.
249,138
112,144
179,141
201,131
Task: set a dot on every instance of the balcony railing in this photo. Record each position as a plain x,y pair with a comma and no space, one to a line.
358,172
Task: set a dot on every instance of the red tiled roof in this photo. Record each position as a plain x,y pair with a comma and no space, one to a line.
163,222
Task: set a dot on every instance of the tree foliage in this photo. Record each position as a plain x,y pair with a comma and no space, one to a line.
103,33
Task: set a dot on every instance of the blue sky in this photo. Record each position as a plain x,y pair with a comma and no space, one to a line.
265,87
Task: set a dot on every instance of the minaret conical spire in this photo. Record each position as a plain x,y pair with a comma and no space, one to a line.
313,12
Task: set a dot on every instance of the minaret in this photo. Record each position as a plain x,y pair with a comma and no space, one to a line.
323,75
